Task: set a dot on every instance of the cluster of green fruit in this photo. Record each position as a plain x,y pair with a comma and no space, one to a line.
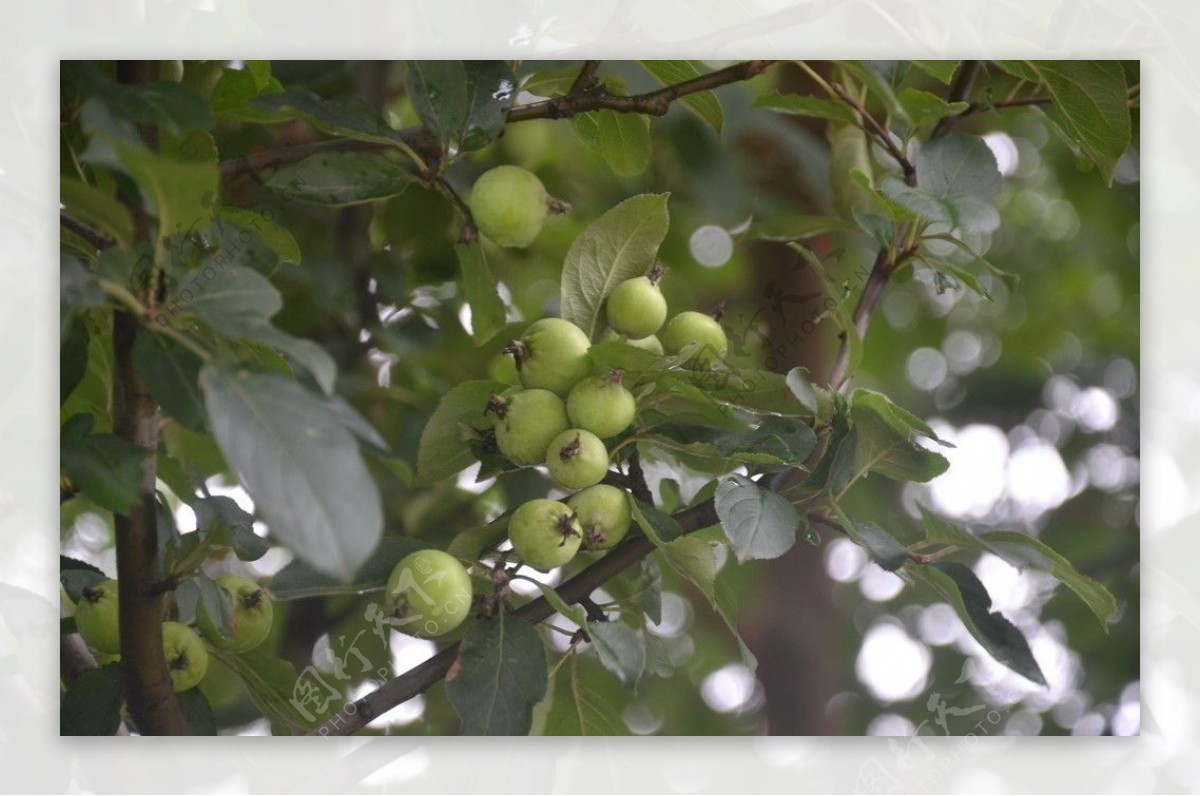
250,617
534,425
559,416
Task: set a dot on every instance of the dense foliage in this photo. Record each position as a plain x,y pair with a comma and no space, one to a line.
303,342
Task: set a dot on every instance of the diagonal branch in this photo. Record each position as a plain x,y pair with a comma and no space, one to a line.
585,95
578,588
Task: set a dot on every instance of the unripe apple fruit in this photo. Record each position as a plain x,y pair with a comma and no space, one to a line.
636,307
576,459
526,422
430,592
509,205
250,617
544,533
601,405
551,355
187,658
604,515
696,327
650,343
96,617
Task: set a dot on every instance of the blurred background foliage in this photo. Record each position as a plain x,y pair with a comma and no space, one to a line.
1037,388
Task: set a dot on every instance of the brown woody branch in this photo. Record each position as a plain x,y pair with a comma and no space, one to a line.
577,589
585,95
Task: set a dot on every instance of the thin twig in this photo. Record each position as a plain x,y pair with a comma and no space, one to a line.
653,103
96,239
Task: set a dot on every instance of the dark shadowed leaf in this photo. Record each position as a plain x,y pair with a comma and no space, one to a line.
622,649
340,178
172,373
960,587
479,291
197,712
500,674
443,450
802,105
92,704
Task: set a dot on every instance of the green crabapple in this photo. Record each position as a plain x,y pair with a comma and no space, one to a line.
187,658
601,405
96,617
526,422
691,327
430,592
604,515
250,619
509,205
551,355
544,533
636,307
577,459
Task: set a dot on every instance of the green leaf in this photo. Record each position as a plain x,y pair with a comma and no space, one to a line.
1022,550
799,227
97,209
340,178
299,580
622,649
1091,96
884,549
106,468
695,560
759,523
703,103
960,587
289,701
958,165
940,70
624,141
73,356
471,543
344,117
813,107
223,522
479,291
172,373
878,85
926,108
500,674
574,709
197,712
620,245
882,440
574,613
491,89
181,195
278,239
655,523
440,95
799,381
443,450
239,302
300,465
170,106
214,602
92,704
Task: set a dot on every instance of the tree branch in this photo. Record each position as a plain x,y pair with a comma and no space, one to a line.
653,103
417,680
96,239
147,683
